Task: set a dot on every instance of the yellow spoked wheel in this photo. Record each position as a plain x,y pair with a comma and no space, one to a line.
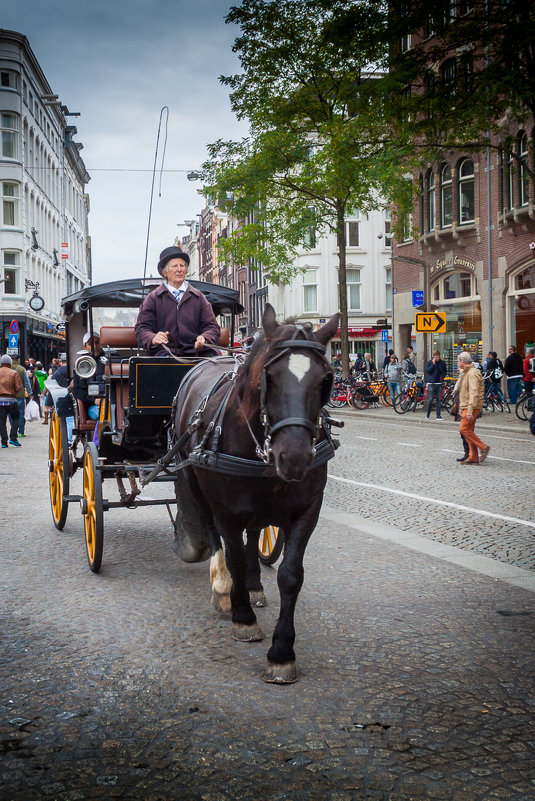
270,544
58,469
92,508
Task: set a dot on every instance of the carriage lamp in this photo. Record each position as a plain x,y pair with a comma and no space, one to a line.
85,366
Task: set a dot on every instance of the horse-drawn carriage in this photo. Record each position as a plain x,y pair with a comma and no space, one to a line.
252,426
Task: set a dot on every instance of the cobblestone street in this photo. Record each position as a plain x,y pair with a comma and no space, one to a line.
416,673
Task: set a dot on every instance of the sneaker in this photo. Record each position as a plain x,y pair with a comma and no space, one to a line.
21,435
483,454
440,418
4,446
427,418
15,443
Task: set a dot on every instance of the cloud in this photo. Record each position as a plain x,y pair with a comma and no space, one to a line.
118,64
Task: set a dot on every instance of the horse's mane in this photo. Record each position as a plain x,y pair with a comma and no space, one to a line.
249,374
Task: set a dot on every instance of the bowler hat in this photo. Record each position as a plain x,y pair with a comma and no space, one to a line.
171,253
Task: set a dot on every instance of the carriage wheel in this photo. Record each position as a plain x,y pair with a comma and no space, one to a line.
92,508
59,469
270,544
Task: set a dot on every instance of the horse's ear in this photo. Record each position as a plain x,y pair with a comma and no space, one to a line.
269,320
327,331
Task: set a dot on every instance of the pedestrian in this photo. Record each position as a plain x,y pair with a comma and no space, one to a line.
494,371
407,363
386,360
22,394
471,396
435,371
176,316
513,369
369,366
528,371
392,374
457,415
35,386
359,364
412,355
10,384
64,404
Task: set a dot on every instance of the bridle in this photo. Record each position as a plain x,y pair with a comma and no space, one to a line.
281,349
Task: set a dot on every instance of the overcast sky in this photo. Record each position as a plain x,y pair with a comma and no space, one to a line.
118,64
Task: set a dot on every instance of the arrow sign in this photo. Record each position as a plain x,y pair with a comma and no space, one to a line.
430,322
13,340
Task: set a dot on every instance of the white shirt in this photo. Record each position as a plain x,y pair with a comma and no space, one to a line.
173,289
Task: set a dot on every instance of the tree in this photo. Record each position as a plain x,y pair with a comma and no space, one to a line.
311,89
466,80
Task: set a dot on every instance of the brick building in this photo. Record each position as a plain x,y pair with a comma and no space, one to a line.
472,250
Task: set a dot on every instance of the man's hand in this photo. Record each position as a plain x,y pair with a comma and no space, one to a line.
469,416
200,342
161,338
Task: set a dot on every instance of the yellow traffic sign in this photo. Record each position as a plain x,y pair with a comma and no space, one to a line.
430,322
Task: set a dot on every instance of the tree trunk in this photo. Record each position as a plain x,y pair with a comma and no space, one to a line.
342,287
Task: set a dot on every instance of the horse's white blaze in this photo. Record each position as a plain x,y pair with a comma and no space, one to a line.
299,365
220,577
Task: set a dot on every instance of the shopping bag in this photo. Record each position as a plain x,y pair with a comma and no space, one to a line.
31,412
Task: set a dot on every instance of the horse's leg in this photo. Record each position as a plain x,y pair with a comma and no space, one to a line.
281,656
252,573
220,578
244,625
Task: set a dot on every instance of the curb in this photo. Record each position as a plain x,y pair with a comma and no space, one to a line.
484,424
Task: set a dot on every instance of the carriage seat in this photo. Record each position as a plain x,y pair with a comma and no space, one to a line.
122,337
84,422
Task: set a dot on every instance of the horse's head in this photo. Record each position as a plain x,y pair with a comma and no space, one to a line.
295,382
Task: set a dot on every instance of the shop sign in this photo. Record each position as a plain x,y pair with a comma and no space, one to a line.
451,263
360,332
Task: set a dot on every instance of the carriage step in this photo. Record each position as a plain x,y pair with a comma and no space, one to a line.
72,498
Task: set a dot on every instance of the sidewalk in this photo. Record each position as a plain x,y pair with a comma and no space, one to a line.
489,421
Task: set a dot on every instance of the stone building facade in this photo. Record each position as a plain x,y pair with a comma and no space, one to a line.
44,237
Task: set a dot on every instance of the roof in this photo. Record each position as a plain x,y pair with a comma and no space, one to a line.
131,291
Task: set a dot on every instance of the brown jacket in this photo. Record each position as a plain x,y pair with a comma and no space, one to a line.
10,382
472,390
184,321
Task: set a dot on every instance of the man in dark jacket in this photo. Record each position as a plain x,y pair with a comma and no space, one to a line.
513,369
176,314
435,370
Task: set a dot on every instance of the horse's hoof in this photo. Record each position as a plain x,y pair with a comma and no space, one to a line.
221,601
280,674
257,598
243,633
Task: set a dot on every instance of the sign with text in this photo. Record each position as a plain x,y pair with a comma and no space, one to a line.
430,322
417,297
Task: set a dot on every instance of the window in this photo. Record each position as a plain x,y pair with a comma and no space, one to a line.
10,203
353,289
446,197
466,70
458,285
422,204
10,135
449,76
388,288
405,42
388,228
526,279
430,181
11,263
352,229
466,192
310,290
9,79
523,174
309,238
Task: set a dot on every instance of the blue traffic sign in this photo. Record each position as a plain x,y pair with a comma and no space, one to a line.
384,335
14,327
417,298
13,340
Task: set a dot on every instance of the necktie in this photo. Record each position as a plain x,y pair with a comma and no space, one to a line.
178,294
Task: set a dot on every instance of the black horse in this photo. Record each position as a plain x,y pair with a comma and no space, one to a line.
253,459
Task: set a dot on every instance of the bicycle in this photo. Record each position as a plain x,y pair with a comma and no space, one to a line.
494,398
412,395
525,407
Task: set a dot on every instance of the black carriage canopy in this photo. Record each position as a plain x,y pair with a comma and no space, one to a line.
131,292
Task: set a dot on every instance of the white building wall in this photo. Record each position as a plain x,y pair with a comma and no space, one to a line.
50,186
372,258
